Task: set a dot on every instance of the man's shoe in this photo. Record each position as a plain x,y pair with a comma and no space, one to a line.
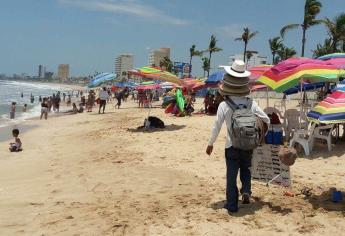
245,198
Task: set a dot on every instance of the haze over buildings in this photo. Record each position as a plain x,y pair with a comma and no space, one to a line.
123,63
157,55
63,72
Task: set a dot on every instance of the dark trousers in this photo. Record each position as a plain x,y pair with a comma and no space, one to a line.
102,103
237,159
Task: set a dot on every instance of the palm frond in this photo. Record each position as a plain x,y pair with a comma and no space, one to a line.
287,28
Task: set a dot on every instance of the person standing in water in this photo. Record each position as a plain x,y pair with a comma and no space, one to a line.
22,95
44,109
13,110
25,107
32,98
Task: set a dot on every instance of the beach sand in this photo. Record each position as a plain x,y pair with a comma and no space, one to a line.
90,174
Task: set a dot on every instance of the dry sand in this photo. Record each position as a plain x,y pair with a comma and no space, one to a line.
90,174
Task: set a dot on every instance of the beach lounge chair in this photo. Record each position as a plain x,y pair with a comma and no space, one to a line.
306,138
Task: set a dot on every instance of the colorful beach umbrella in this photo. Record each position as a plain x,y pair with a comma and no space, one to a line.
291,72
100,79
149,85
193,84
331,110
258,71
332,56
150,72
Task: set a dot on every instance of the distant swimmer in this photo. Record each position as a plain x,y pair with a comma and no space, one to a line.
40,98
21,95
25,107
32,98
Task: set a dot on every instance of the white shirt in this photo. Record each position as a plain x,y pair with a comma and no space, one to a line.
103,95
225,113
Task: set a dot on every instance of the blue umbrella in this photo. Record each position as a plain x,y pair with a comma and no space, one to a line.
306,87
215,77
101,79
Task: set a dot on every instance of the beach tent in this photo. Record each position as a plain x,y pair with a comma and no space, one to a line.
332,56
100,79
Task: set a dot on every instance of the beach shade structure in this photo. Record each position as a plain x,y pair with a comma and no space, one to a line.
293,71
331,110
168,85
100,79
193,84
215,78
332,56
149,85
126,84
258,71
305,87
153,73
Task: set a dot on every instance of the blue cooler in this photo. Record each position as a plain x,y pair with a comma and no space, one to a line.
274,136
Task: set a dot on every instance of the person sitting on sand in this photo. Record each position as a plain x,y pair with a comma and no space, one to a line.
81,108
17,145
44,109
73,111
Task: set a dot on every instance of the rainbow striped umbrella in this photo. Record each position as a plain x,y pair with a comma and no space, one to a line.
331,110
332,56
290,72
157,74
258,71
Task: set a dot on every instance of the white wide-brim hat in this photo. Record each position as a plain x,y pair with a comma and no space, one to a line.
237,69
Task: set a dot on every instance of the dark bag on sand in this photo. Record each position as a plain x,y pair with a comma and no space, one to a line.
287,155
154,122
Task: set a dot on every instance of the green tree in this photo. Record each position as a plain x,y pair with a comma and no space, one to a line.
311,9
246,36
167,64
336,30
193,52
275,45
285,53
323,49
212,48
206,65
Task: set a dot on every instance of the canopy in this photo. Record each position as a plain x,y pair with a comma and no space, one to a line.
215,77
147,86
101,79
290,72
126,84
305,87
156,74
331,110
332,56
193,83
257,71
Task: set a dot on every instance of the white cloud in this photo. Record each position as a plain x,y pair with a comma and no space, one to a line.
230,31
130,7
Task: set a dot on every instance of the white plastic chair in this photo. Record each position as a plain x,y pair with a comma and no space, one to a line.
291,122
307,138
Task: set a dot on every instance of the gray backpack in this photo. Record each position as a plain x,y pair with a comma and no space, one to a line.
245,132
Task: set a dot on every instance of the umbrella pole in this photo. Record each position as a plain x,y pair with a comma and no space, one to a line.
300,108
267,100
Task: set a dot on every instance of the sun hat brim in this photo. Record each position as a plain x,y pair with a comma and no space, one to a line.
233,91
231,72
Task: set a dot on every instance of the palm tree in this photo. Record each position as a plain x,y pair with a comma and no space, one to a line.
275,45
212,48
336,30
192,53
206,65
246,36
323,49
285,53
167,64
311,9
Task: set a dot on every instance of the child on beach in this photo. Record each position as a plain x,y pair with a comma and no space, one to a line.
17,145
13,110
25,107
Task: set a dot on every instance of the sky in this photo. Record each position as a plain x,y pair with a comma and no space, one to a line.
89,34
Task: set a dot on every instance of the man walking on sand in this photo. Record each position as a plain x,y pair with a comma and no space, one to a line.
103,97
240,114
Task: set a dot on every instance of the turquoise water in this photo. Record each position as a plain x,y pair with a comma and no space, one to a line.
10,91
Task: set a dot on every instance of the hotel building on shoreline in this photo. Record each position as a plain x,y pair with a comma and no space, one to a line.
156,56
123,63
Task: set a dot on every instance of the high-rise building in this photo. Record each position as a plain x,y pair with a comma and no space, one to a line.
63,71
254,60
123,63
41,71
156,56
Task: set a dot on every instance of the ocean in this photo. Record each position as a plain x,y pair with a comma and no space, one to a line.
10,91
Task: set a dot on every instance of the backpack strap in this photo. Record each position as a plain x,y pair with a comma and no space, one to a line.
231,104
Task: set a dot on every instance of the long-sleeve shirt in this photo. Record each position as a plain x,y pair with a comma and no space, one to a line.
225,113
103,95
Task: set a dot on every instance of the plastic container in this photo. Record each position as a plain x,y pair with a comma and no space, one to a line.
337,196
273,137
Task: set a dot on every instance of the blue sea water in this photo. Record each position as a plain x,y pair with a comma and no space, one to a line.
10,91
